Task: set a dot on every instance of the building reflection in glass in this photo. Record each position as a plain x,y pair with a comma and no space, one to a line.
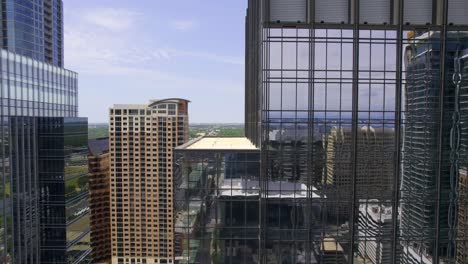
216,201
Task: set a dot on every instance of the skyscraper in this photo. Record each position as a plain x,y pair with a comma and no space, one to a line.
142,138
423,134
99,199
462,247
33,28
216,201
44,191
43,152
315,65
462,228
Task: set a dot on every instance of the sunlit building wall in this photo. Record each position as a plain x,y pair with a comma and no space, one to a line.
141,142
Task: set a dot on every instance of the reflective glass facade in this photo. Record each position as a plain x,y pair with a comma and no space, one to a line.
32,88
216,203
63,181
43,166
33,28
363,103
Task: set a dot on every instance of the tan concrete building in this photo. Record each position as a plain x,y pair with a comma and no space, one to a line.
99,191
142,138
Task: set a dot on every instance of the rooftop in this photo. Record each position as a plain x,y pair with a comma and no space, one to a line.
219,143
129,106
152,103
329,244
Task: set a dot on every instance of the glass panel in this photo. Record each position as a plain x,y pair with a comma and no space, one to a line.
418,12
374,11
331,11
457,12
288,10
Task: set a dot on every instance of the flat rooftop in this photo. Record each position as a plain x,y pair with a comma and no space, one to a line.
330,245
219,143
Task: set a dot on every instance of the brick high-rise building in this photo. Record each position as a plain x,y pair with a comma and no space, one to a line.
142,138
99,191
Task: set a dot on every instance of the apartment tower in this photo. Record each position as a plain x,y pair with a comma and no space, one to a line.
141,142
99,199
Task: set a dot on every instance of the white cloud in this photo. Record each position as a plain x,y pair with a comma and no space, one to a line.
183,24
111,18
103,49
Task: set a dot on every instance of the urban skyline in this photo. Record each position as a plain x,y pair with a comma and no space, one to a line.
354,147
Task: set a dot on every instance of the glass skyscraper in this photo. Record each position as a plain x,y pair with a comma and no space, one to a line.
355,150
216,201
44,172
33,28
317,73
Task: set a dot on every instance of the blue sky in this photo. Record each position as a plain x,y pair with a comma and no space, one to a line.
132,51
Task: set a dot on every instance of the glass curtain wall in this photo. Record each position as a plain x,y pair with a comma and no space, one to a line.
216,206
369,122
33,28
35,99
77,190
64,210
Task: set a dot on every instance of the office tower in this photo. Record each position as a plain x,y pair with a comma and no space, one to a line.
44,171
218,201
33,28
142,138
348,64
423,134
216,221
44,167
99,199
75,200
374,168
462,229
